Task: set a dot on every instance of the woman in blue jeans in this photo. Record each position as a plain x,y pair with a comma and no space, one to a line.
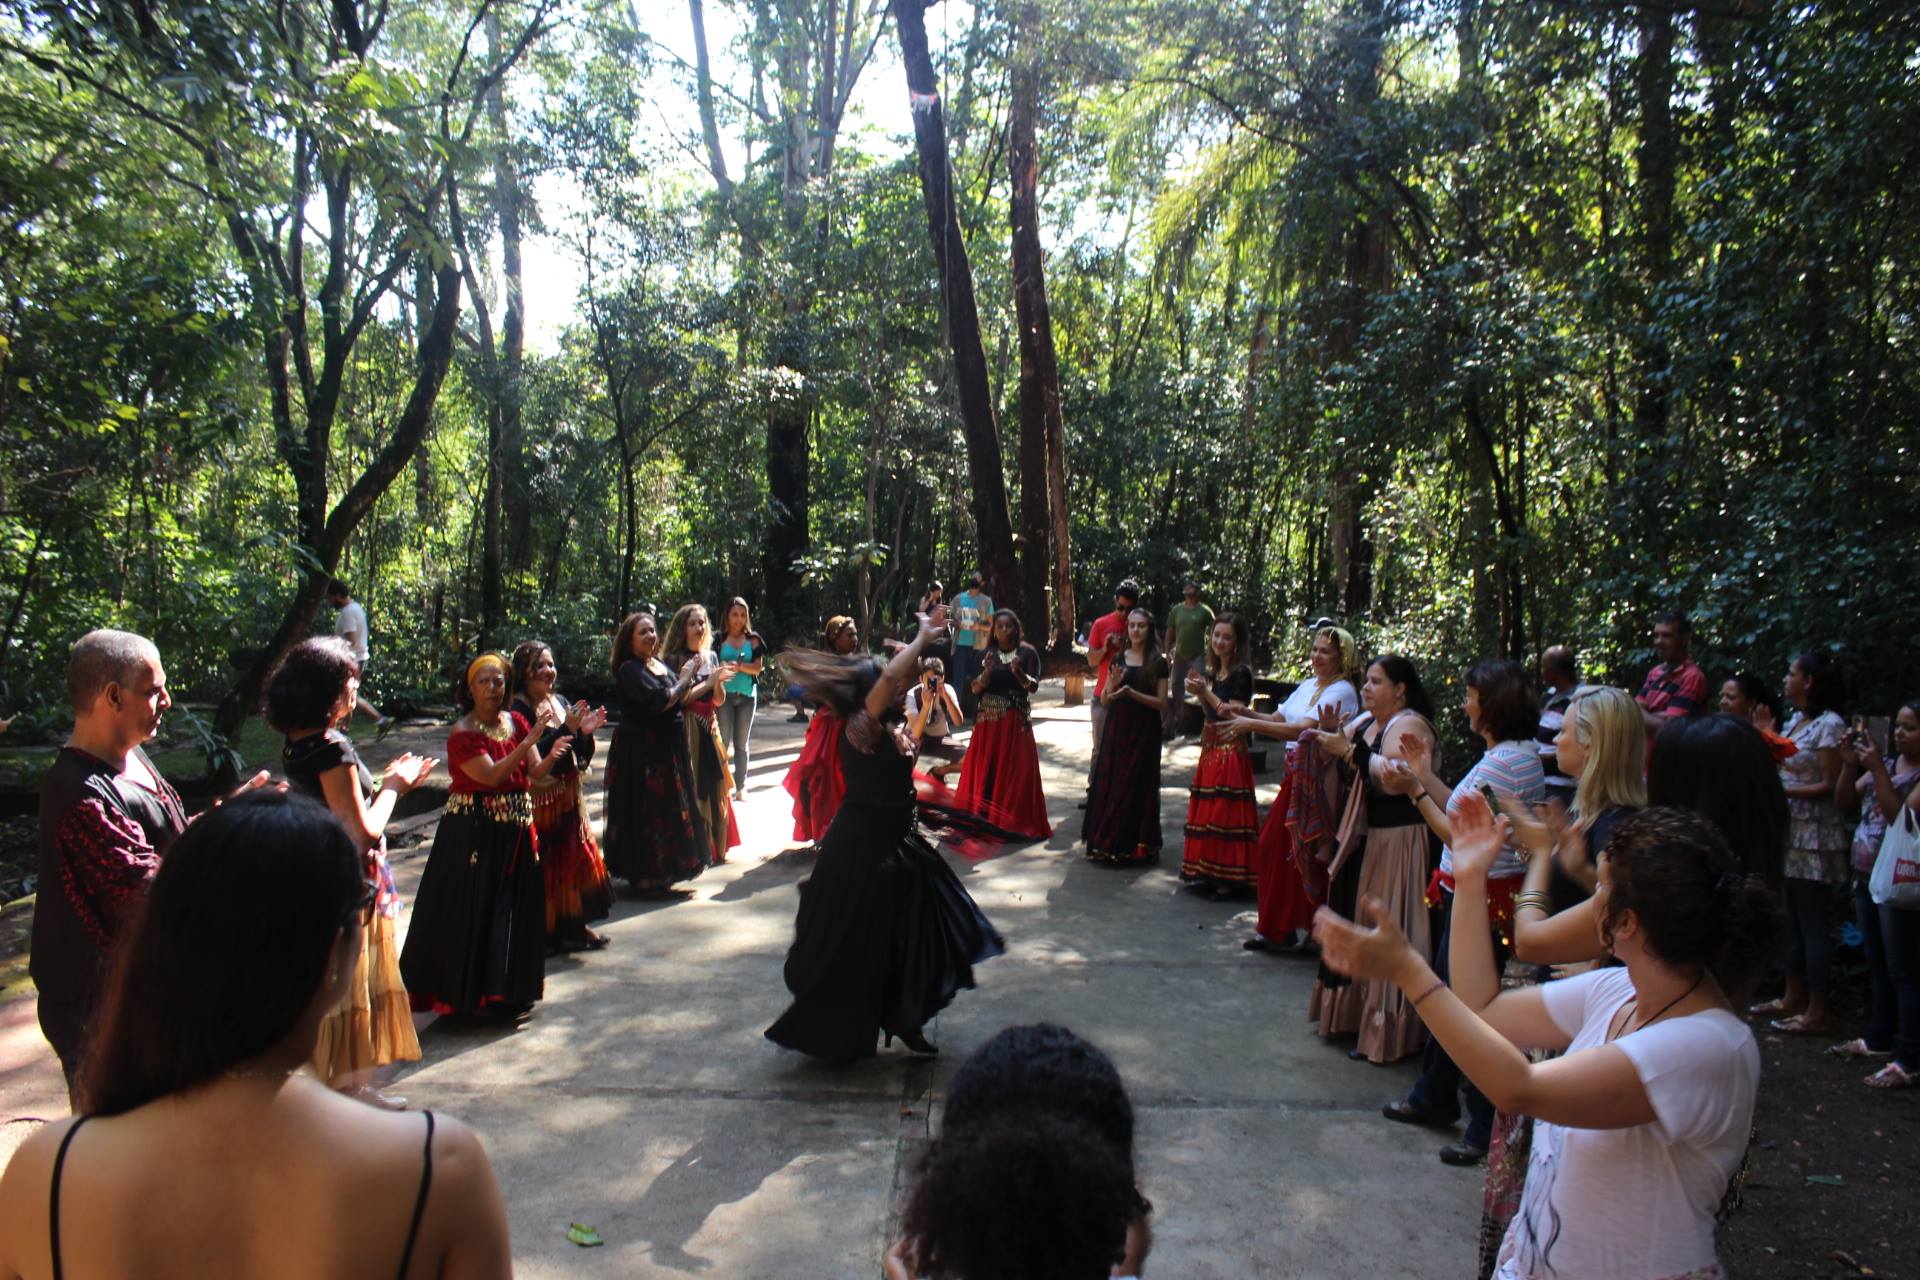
1884,786
741,645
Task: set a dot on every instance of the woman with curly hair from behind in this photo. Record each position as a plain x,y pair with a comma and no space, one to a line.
1032,1176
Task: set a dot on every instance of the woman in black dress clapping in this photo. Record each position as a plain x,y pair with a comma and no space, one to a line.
655,835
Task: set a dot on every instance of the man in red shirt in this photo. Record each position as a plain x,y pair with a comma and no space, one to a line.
1676,686
1105,639
106,816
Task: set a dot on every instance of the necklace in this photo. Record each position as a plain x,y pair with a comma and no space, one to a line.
262,1074
1664,1008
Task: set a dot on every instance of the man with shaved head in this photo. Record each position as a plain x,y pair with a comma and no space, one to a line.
106,816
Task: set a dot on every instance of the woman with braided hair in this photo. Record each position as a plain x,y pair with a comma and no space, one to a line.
1000,775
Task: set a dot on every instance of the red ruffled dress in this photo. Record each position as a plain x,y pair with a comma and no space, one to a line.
1223,820
1000,774
1297,843
814,779
579,890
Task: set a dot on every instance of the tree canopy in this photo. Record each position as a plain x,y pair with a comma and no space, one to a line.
1482,327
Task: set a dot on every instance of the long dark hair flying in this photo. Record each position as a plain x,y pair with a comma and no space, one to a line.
836,680
228,951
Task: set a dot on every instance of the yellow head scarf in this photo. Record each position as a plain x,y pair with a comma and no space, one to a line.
484,661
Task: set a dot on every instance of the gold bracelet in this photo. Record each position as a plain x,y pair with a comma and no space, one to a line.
1534,899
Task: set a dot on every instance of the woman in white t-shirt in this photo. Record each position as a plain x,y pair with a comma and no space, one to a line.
1287,896
1643,1120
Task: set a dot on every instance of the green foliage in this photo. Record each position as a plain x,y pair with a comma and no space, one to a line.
1357,304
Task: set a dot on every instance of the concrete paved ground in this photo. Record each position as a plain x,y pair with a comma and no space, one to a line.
641,1098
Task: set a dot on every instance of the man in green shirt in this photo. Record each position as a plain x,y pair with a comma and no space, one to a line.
1188,625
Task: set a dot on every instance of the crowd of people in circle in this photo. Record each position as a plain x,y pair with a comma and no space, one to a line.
1570,935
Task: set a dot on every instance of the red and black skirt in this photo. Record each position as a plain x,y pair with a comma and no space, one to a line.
1223,822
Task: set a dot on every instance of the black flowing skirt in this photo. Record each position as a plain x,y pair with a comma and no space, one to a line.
478,935
885,936
654,828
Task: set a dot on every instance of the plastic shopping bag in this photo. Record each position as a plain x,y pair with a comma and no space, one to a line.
1896,872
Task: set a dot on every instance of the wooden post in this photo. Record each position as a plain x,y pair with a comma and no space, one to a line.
1076,687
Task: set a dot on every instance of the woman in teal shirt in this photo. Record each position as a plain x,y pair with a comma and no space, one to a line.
741,645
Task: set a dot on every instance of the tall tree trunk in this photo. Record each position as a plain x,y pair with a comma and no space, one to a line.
435,355
992,520
1040,416
1363,275
1653,86
492,558
510,390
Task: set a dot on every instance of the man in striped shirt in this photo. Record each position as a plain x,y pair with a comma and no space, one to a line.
1559,677
1676,686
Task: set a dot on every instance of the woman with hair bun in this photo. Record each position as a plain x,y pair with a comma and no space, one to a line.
477,942
200,1147
886,934
1032,1174
813,779
310,697
1642,1121
1000,774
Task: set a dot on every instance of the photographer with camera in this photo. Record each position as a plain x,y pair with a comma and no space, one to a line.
933,712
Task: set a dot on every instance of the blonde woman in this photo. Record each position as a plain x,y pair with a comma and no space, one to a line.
1602,745
690,639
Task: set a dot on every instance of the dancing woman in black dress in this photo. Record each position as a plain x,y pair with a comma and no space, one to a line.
885,934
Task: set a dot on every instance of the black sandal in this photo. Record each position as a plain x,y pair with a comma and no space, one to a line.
1406,1113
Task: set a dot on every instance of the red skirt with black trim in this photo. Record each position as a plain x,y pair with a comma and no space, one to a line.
1000,775
813,779
1223,821
1286,905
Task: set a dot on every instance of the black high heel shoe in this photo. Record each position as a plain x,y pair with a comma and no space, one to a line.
916,1043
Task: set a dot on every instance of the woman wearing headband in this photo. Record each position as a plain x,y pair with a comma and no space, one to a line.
477,944
1292,870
